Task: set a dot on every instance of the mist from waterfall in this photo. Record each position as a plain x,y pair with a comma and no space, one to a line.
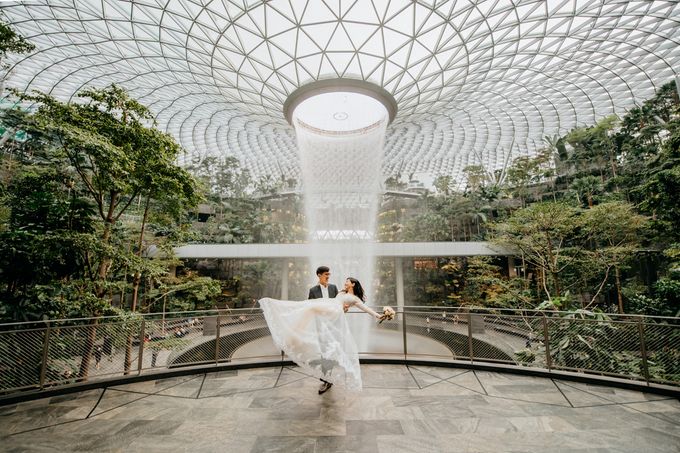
341,176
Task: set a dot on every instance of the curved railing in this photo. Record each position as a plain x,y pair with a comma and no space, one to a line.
55,353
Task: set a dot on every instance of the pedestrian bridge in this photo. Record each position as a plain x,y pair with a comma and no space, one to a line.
382,249
395,250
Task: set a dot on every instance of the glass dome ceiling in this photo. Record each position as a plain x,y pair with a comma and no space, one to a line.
476,82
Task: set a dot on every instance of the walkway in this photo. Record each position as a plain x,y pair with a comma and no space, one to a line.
402,409
382,249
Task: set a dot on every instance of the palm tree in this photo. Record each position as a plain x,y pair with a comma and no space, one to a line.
586,188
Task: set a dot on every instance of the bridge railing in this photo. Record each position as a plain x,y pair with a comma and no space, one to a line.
53,353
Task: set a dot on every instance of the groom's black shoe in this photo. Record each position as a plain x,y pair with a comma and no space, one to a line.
325,386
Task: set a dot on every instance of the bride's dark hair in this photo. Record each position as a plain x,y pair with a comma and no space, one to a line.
358,290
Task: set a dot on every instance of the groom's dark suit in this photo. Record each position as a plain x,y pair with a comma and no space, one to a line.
315,292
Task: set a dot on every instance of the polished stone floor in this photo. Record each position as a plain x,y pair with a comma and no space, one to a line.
401,409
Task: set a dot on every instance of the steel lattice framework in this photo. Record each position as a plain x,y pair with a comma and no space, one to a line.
476,82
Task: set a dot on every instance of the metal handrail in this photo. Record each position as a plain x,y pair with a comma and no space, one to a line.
411,308
643,349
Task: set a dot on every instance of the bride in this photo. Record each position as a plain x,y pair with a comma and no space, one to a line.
316,336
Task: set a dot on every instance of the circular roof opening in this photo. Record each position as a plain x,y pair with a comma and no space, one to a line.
340,105
340,111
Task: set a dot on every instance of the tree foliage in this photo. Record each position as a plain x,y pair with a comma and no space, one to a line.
578,213
11,42
67,187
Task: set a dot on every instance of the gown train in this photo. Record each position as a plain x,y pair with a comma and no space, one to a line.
316,336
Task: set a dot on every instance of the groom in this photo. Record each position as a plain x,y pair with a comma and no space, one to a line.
323,290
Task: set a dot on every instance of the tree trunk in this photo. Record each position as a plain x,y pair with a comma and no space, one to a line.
122,294
612,163
543,281
103,268
138,275
556,278
122,291
106,236
148,286
128,354
617,274
165,300
136,280
553,265
90,338
135,286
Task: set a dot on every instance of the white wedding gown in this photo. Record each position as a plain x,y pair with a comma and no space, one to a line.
316,336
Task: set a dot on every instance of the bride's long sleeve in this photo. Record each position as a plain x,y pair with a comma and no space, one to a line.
352,300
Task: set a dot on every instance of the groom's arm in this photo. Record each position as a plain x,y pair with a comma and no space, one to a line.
311,293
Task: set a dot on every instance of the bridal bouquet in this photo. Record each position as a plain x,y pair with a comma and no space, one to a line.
388,313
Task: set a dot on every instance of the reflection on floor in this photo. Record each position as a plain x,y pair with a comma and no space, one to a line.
401,409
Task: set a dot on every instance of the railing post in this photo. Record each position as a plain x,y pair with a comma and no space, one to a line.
643,349
470,348
403,328
217,338
45,353
140,354
546,343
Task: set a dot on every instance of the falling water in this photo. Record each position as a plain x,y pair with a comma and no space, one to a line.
341,169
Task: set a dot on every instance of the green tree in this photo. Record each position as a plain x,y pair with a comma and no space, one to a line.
654,171
11,42
615,229
476,177
593,149
222,177
110,155
390,226
524,173
485,285
44,238
664,299
184,294
242,210
586,189
541,233
169,186
116,156
430,225
644,130
443,185
395,182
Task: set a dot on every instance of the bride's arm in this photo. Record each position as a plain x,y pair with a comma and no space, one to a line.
356,302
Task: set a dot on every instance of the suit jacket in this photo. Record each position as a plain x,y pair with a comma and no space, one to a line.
315,292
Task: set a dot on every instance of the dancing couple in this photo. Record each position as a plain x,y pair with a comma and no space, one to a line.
315,334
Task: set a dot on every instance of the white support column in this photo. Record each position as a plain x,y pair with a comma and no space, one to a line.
284,279
399,275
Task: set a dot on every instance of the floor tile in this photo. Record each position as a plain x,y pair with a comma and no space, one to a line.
404,409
